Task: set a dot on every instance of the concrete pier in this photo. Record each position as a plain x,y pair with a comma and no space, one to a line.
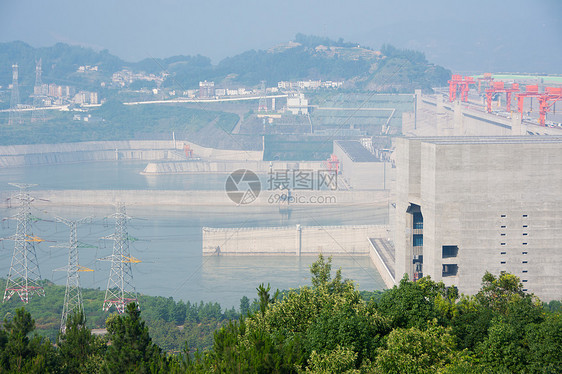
352,240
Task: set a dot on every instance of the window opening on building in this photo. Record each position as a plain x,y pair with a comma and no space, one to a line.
417,240
448,251
450,270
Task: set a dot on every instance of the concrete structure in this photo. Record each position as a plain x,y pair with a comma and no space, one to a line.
361,169
467,205
297,104
206,89
297,240
150,150
303,199
435,116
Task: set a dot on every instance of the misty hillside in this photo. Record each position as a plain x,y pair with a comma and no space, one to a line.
306,57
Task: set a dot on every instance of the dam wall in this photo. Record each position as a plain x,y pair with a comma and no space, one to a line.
223,166
198,198
436,116
295,241
148,150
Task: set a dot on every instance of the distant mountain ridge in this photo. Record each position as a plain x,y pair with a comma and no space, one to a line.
307,57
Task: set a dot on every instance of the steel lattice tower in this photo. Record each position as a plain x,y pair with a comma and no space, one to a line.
15,117
24,277
262,106
38,115
72,295
120,288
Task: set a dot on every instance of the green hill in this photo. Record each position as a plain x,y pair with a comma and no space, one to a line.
307,57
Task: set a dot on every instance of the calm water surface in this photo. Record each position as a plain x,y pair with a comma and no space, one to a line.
168,240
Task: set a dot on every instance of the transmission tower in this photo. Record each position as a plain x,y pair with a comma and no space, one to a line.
73,295
24,277
38,115
120,289
15,117
262,106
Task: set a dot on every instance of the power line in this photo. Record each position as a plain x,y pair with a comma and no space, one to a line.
24,277
120,288
38,115
15,117
73,294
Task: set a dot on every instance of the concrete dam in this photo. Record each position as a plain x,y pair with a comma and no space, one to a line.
350,240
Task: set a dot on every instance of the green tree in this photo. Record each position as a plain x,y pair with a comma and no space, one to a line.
244,306
415,351
20,353
412,304
131,348
340,360
76,345
545,345
498,292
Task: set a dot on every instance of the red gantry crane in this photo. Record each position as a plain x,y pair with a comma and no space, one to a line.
459,83
487,77
500,87
546,99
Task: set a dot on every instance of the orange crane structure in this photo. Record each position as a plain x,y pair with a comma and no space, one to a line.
487,77
459,83
333,164
546,99
188,151
500,87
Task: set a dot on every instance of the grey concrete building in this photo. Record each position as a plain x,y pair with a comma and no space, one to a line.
360,168
466,205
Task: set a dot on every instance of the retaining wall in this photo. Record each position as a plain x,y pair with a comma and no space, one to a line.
197,198
149,150
261,167
297,240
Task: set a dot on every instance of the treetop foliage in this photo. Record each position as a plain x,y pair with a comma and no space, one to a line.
328,327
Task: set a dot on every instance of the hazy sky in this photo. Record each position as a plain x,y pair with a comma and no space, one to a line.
462,35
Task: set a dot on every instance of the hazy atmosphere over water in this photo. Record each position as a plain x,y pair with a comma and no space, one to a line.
300,186
523,36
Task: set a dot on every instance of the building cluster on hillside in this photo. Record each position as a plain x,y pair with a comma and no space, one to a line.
208,90
308,85
54,94
85,68
125,77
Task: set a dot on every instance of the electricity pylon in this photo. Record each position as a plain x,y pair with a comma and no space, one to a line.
262,105
38,115
15,116
24,277
120,288
73,294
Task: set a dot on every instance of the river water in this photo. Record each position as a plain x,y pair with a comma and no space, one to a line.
168,239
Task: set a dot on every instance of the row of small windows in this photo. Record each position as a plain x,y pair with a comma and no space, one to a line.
523,253
524,234
524,215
